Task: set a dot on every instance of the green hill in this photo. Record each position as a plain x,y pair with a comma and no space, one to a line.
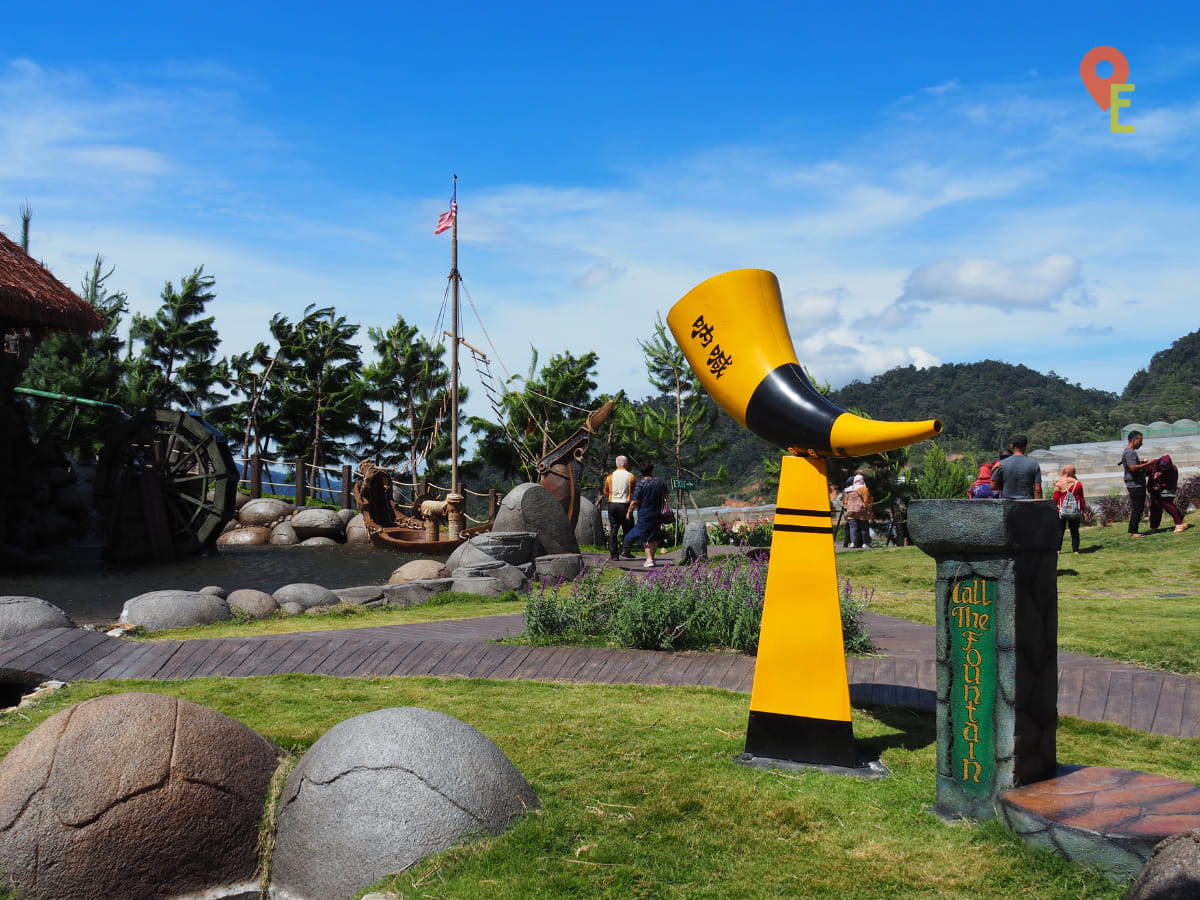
983,404
1169,388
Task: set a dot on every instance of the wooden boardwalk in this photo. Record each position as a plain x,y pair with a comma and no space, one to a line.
903,675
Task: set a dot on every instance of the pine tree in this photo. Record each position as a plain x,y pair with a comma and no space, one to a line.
679,426
82,365
316,390
177,365
410,385
539,411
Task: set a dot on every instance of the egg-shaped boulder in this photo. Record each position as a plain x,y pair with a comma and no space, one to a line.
20,615
160,610
134,795
264,511
381,791
245,537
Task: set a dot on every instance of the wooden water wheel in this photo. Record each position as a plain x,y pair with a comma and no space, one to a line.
165,486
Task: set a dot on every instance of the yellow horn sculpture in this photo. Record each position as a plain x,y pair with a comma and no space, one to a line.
733,332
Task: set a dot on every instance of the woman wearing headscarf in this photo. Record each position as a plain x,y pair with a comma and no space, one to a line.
857,503
1161,487
982,488
1070,512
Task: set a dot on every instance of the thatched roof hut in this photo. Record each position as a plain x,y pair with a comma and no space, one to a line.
30,297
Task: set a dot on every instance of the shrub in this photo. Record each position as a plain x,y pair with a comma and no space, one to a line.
855,636
1112,507
713,605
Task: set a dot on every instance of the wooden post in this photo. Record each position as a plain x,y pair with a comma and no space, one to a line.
493,504
301,486
256,469
347,480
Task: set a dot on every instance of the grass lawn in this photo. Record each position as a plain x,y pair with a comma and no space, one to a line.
640,797
444,606
1124,599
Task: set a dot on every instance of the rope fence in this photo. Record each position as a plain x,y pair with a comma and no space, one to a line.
334,485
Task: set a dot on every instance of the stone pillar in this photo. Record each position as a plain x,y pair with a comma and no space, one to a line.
997,652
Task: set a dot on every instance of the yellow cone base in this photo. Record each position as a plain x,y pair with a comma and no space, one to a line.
800,739
800,702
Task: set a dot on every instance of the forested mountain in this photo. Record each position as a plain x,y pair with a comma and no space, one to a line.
983,404
1169,389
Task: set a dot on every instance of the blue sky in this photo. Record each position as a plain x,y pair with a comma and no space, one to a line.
931,182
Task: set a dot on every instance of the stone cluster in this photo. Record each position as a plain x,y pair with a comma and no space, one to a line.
146,796
268,520
488,565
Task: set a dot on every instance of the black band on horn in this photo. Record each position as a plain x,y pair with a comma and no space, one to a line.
787,411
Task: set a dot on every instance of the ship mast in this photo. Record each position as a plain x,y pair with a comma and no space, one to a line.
455,488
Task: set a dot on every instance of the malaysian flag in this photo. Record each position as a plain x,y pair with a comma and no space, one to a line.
446,219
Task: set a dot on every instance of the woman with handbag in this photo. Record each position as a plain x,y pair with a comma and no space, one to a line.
1161,486
650,504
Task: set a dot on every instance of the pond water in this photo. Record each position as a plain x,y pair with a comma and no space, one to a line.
88,589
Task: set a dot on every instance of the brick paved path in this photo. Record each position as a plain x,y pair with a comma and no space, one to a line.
903,674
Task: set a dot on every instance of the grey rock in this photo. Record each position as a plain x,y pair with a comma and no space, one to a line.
589,530
252,536
318,542
314,521
410,593
215,590
559,567
468,554
305,594
512,547
383,790
114,797
264,511
291,608
511,577
359,596
356,531
530,507
160,610
414,593
695,542
284,535
346,515
1173,872
256,604
484,587
419,570
21,615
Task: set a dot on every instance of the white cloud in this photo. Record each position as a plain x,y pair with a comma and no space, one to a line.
1039,284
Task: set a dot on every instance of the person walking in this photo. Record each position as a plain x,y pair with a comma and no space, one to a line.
1162,482
648,496
618,491
1135,480
1068,497
1019,477
857,503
